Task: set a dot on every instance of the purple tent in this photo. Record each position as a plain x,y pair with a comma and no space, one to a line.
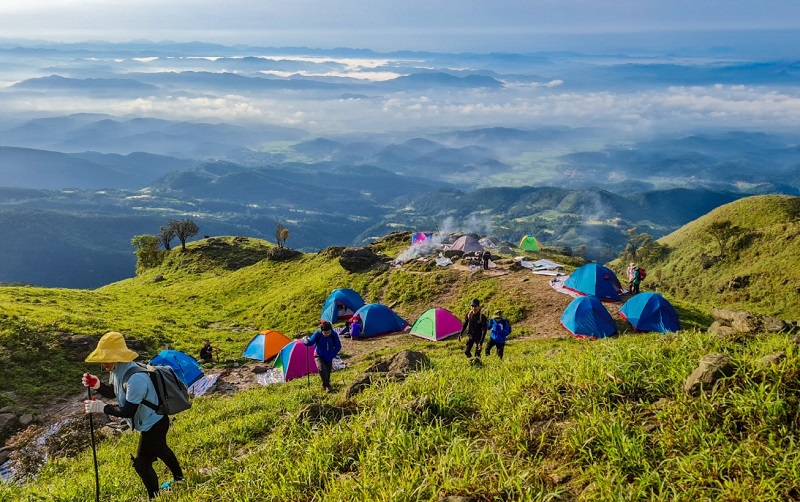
296,360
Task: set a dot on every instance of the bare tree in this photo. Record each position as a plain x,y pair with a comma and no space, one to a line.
183,230
166,236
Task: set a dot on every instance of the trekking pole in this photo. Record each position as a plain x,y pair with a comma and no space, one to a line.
94,453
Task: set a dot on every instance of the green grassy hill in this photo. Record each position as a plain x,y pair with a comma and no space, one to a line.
759,271
558,419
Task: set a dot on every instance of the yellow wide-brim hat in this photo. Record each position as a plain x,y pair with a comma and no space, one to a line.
112,349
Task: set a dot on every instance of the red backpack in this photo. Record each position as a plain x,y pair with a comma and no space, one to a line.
642,273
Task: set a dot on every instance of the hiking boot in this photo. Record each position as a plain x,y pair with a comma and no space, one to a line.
328,389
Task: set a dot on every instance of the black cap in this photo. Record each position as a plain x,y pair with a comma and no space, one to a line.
326,326
475,303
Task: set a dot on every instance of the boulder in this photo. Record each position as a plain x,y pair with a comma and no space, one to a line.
76,347
359,385
9,423
712,367
355,259
771,359
406,361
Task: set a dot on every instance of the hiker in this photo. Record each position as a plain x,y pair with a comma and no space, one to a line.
637,280
475,327
630,271
499,328
207,352
326,346
486,256
115,357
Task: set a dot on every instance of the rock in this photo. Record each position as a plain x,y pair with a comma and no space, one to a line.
419,405
378,367
9,423
359,385
5,453
25,420
770,359
158,278
282,254
712,367
360,259
406,361
734,323
135,345
76,347
258,369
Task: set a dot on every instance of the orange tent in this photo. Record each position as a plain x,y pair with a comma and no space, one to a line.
265,345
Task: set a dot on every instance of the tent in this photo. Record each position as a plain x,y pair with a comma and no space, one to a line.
586,317
378,319
467,244
340,305
436,324
593,279
265,345
420,237
650,312
296,360
530,243
185,366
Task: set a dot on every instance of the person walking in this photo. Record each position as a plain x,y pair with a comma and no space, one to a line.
630,271
115,357
475,327
499,329
485,257
637,280
326,347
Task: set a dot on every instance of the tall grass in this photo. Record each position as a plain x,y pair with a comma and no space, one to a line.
555,420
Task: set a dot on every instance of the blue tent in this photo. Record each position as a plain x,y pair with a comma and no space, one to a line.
340,305
650,312
378,319
593,279
586,317
184,365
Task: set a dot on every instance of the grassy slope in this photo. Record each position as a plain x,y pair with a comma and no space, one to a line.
608,420
769,257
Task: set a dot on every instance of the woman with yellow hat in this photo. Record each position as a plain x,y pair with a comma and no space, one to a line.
131,389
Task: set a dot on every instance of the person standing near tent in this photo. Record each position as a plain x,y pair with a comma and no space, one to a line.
499,328
637,280
486,256
326,347
115,357
630,272
475,327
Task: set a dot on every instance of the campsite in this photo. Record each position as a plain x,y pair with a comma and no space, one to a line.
560,417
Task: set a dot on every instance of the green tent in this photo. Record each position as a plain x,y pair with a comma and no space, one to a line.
530,243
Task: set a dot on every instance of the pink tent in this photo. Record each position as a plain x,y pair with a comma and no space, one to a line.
296,360
436,324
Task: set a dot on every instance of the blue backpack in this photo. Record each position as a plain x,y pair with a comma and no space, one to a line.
499,330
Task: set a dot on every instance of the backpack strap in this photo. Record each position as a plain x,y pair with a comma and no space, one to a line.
140,368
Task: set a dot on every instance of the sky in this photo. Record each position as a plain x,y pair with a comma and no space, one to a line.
435,25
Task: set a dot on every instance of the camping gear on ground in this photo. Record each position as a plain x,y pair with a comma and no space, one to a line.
586,317
173,394
265,345
650,312
295,360
594,280
436,324
530,243
467,244
340,305
185,366
420,237
378,319
94,453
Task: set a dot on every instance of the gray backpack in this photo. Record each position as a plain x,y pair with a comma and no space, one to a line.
173,395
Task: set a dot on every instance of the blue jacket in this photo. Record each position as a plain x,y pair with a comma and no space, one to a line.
326,347
497,331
